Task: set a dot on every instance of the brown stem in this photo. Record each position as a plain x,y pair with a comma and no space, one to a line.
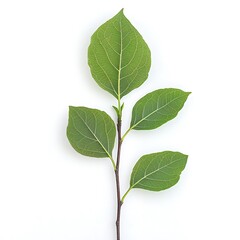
119,203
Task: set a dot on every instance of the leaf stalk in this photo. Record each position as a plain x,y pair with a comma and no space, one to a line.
113,163
126,133
124,196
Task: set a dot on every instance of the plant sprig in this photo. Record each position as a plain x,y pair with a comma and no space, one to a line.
120,60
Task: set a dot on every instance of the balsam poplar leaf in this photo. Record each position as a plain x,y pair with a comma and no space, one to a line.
158,171
118,57
157,108
91,132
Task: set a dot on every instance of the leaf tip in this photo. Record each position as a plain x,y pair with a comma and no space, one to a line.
121,12
185,157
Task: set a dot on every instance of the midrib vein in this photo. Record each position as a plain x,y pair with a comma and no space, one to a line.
120,61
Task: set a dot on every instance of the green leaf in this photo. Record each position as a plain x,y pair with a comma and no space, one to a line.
91,132
158,171
157,108
116,110
118,57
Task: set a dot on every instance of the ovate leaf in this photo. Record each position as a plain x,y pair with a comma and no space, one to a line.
158,171
91,132
157,108
118,57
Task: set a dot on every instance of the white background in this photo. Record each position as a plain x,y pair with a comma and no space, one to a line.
50,192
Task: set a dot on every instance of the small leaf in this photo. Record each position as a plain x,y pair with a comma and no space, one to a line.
118,57
116,110
157,108
91,132
158,171
122,106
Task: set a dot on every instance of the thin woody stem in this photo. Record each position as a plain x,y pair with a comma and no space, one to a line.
119,202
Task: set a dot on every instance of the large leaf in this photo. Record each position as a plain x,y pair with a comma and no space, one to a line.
118,56
157,108
158,171
91,132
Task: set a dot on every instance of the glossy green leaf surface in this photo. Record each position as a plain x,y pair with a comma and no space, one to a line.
118,57
91,132
158,171
157,108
